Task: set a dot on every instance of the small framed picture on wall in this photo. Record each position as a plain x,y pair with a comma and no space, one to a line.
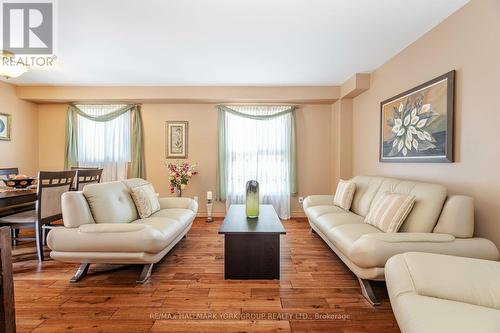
5,126
176,139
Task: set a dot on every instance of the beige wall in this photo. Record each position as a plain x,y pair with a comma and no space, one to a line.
51,136
467,41
342,140
313,134
22,150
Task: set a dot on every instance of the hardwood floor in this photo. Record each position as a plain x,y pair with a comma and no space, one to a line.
187,292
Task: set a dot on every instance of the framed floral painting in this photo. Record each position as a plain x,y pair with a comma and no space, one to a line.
176,134
417,125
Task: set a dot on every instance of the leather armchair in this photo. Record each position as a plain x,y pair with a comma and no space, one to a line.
433,293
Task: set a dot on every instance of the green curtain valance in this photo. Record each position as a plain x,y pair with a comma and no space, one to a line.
136,136
285,110
221,148
73,108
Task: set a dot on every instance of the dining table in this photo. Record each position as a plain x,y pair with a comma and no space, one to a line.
16,197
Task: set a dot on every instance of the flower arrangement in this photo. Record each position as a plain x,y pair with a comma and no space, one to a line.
179,176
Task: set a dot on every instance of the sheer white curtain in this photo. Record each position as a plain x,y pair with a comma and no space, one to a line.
104,144
259,149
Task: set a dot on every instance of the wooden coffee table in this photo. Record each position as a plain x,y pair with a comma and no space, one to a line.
252,246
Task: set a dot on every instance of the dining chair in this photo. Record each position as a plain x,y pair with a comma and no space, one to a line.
51,186
87,176
9,172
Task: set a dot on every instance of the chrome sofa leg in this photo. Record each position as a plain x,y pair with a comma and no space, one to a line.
367,291
80,273
146,273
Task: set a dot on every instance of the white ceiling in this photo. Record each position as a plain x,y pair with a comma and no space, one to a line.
231,42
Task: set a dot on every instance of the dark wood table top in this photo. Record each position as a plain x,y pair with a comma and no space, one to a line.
10,198
236,221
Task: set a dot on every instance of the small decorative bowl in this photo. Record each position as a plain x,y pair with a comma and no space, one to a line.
18,183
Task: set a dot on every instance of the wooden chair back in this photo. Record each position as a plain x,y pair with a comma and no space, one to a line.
51,186
87,176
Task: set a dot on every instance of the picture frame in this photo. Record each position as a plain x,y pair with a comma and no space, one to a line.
416,126
176,139
5,126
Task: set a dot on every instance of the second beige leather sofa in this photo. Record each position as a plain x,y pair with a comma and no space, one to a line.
438,223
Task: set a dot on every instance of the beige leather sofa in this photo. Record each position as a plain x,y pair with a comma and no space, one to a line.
438,223
101,225
433,293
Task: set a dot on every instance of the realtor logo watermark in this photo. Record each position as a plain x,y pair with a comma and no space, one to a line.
28,27
28,32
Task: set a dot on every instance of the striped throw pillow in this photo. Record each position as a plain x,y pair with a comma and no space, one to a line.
344,194
389,211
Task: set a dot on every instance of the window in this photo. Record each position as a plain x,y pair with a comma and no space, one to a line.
258,146
104,144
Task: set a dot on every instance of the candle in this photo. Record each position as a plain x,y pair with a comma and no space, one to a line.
209,195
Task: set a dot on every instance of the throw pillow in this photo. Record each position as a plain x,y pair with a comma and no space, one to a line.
389,211
145,200
344,194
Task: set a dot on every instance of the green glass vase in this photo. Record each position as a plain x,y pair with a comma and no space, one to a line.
252,199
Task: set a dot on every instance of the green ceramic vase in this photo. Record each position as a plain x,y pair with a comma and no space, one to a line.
252,199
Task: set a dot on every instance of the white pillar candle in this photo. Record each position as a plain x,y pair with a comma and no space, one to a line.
209,195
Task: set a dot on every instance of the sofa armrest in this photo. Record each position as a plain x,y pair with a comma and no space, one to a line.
174,202
457,217
100,228
317,200
410,237
75,210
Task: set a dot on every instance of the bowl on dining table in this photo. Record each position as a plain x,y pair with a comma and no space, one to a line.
19,181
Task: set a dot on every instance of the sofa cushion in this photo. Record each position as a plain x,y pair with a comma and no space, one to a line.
110,202
182,215
154,235
429,201
316,211
168,227
345,235
328,221
145,200
344,194
389,211
366,188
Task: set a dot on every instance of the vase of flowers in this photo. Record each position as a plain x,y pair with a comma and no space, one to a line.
179,176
